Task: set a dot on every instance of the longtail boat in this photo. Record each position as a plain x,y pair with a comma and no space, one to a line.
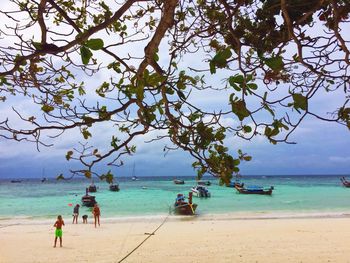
88,200
114,187
254,190
201,182
181,207
179,181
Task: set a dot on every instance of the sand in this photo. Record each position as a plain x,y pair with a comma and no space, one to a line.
196,239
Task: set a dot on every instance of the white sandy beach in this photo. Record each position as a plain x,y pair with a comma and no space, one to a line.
200,239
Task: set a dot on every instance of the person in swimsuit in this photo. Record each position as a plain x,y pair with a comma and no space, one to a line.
58,233
76,213
96,212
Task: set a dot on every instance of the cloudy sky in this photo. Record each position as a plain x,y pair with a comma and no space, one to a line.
322,148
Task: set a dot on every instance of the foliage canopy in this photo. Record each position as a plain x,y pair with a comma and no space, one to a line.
147,60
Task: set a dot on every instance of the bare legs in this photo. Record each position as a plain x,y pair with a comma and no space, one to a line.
97,220
56,242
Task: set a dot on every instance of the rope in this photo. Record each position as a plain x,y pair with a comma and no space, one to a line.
149,235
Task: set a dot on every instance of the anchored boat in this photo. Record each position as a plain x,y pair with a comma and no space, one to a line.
345,182
181,207
179,181
88,200
114,187
92,188
200,191
254,190
200,182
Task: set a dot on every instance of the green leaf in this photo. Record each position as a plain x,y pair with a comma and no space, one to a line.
212,67
85,54
160,109
47,108
300,102
181,94
220,60
86,133
236,162
69,155
3,81
155,57
109,177
247,129
94,43
247,158
236,79
275,63
37,45
266,107
58,99
239,108
87,174
252,86
60,177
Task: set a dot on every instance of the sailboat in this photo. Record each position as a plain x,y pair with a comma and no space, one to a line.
43,179
134,177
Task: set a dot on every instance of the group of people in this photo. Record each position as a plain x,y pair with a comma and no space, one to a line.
60,223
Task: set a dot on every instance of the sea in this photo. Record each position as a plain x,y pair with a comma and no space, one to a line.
154,196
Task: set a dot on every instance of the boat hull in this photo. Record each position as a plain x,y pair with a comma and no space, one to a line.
16,181
179,182
88,200
185,209
114,188
242,190
207,183
200,193
92,188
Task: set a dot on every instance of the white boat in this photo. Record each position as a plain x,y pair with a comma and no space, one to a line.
200,191
43,179
134,177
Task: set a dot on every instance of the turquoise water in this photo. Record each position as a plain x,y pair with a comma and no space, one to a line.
302,194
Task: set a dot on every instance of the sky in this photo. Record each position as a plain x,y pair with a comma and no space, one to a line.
322,147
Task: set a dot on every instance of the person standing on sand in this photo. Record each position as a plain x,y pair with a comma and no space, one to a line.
76,213
58,233
96,212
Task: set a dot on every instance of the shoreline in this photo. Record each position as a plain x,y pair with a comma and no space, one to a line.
26,220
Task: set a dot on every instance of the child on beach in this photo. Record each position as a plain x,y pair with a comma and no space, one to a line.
96,212
58,233
85,217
